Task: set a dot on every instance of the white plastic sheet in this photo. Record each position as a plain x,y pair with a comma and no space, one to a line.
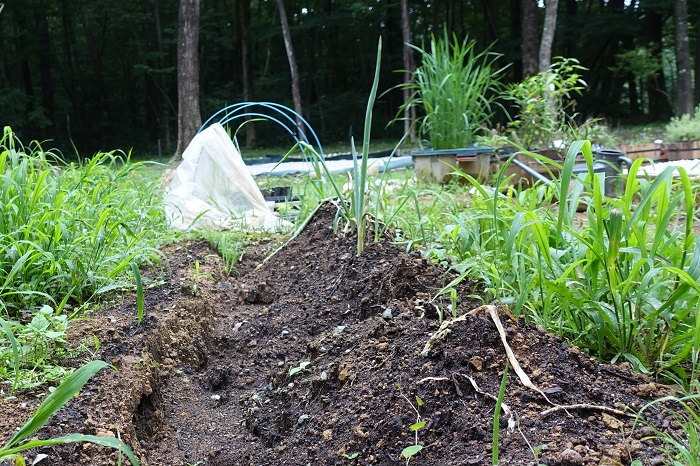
213,189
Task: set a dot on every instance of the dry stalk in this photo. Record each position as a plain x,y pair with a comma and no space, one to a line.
444,331
604,409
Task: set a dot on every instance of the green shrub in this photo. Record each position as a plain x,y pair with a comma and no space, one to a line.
543,101
684,129
596,131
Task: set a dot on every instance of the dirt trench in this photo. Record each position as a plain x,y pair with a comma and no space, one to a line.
315,358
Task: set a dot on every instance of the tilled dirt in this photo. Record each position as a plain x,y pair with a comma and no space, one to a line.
314,358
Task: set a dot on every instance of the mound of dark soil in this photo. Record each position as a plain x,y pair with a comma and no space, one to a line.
314,358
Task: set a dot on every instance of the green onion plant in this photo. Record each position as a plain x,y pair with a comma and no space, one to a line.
354,208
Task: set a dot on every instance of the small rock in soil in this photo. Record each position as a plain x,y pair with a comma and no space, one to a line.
570,457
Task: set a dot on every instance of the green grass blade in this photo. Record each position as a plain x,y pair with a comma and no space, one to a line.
497,416
15,350
55,401
111,442
565,181
139,292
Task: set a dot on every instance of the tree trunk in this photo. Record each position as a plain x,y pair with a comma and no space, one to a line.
450,16
515,36
163,103
659,102
408,112
189,119
550,25
635,109
45,65
96,113
697,64
67,34
286,33
491,26
571,36
684,97
530,20
244,23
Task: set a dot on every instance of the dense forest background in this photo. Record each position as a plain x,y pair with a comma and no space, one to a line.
100,74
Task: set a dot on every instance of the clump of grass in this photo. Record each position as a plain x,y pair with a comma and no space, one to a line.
455,86
68,233
623,284
681,445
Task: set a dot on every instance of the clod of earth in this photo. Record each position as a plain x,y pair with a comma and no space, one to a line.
210,379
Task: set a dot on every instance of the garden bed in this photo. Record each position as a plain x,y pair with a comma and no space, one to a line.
315,358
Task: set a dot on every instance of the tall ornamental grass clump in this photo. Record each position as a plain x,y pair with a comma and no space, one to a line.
69,231
454,86
623,282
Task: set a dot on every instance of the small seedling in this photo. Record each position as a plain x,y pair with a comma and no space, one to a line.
195,278
351,457
300,368
412,450
453,302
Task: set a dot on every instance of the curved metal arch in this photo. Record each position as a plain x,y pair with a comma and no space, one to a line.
236,111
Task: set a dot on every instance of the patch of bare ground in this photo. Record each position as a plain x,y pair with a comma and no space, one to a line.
315,358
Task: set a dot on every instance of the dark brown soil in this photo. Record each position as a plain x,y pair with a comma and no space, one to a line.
206,378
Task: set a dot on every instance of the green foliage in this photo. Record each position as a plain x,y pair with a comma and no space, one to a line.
412,450
684,129
594,130
67,232
60,396
354,207
642,62
302,367
543,101
454,86
30,353
623,283
231,244
682,445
